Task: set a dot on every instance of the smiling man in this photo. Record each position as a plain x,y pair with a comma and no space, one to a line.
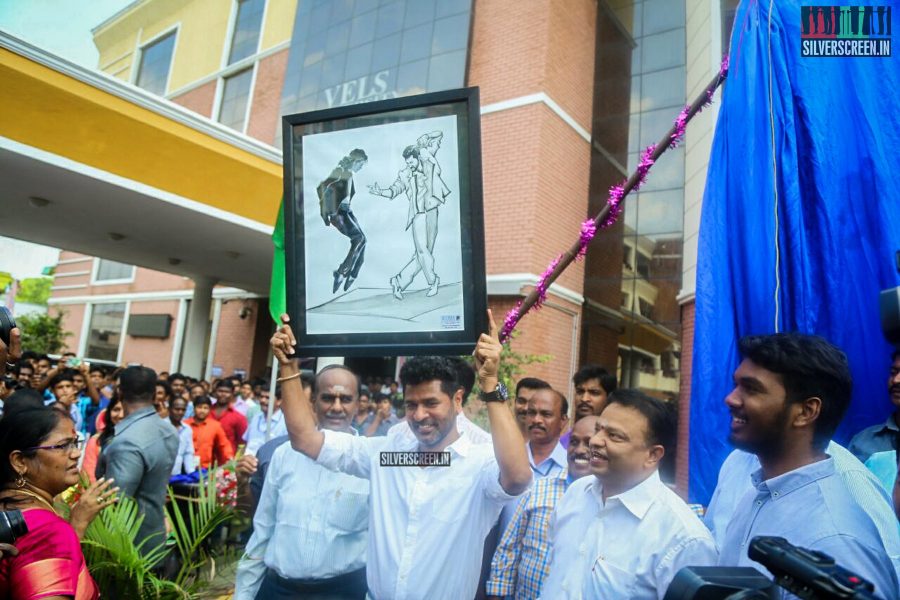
593,385
525,389
522,560
623,533
790,393
427,525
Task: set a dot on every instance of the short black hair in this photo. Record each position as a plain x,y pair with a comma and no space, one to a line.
379,397
532,383
177,376
29,355
97,369
165,386
408,152
662,418
587,372
64,375
422,369
204,399
137,384
465,377
809,366
23,398
224,383
24,364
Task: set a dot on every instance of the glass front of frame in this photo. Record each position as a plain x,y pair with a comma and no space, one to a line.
384,227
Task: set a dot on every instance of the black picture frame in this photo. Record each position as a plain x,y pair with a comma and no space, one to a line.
396,114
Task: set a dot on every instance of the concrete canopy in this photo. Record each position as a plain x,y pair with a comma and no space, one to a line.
97,166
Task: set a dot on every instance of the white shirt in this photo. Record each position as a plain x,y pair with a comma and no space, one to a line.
426,525
184,460
311,523
864,488
476,434
631,546
255,436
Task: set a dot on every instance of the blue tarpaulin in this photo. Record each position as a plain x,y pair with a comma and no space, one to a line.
801,217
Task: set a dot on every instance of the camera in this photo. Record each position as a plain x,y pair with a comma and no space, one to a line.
807,573
7,323
12,526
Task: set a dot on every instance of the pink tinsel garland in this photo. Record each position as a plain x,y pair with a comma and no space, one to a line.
614,201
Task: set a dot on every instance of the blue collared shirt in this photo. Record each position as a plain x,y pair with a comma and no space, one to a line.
877,438
811,508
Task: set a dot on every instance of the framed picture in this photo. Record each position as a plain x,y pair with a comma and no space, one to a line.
384,227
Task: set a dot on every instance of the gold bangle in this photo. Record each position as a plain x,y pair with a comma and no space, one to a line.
289,377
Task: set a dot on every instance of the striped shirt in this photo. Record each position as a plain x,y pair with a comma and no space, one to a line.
522,559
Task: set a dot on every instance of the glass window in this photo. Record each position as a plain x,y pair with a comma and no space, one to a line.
418,12
358,61
447,71
663,50
156,58
659,212
451,7
662,15
411,78
235,97
110,270
341,10
105,331
362,29
390,19
337,39
332,71
364,6
247,26
386,53
450,34
417,42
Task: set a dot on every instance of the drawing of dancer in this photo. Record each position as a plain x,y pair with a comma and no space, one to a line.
425,188
335,194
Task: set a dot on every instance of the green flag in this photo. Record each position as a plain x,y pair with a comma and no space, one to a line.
278,287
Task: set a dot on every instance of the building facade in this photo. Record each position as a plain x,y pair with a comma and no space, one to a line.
572,91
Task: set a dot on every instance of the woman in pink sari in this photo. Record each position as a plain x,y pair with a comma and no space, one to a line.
38,460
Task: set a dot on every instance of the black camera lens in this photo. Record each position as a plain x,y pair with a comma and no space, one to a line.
12,526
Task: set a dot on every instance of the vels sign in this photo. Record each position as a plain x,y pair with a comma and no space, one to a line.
360,90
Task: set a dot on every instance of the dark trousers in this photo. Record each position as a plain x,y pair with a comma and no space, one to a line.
349,586
345,222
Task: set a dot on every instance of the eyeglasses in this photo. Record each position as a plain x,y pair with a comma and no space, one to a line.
67,445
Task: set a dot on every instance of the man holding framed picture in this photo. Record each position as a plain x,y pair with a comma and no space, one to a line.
422,518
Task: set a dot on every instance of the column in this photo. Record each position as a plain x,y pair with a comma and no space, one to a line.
197,328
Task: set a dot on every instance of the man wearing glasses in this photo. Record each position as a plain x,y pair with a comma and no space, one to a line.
141,455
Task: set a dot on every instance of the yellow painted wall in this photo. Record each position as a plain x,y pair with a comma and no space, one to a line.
49,110
201,38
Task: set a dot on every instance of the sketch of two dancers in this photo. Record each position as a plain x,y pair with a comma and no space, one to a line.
420,179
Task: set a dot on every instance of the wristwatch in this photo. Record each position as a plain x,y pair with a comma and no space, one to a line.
500,394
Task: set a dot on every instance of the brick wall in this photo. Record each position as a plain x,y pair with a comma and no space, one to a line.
200,99
234,338
682,459
155,353
266,107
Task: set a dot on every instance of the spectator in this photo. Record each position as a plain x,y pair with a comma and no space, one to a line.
178,382
525,389
366,413
244,402
161,398
522,560
62,387
141,455
25,373
451,509
883,436
323,551
97,375
112,415
623,533
255,436
384,416
210,442
233,423
547,416
791,392
593,385
185,461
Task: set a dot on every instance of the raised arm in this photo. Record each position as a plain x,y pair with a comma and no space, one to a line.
390,192
296,406
509,445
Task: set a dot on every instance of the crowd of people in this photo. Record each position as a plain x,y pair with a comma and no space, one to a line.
387,490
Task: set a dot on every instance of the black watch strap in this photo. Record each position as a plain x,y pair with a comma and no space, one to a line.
498,395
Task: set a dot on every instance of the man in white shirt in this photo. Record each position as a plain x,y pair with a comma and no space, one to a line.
310,528
185,461
427,524
623,533
255,436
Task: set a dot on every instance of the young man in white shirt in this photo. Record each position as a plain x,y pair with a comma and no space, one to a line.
623,533
427,524
255,436
310,527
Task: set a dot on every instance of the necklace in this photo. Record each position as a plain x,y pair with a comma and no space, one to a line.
37,497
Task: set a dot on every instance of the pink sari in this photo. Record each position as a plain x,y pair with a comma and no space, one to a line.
50,562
